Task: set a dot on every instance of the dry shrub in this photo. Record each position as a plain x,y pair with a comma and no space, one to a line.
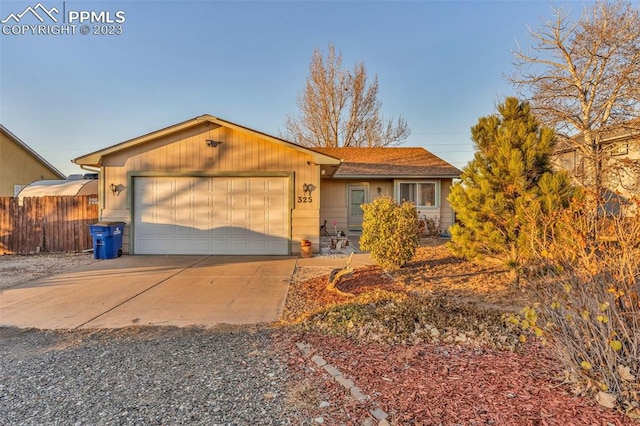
587,285
390,318
429,227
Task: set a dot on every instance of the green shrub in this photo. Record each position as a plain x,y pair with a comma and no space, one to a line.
390,232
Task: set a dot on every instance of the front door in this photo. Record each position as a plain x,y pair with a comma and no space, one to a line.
357,195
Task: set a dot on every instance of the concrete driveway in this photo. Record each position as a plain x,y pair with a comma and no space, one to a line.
154,290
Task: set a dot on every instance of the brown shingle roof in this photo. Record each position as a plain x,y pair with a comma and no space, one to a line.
389,162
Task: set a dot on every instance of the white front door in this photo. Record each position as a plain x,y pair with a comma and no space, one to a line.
211,215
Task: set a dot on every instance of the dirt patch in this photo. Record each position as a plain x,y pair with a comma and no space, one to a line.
432,272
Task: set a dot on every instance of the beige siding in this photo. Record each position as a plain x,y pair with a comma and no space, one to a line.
447,216
305,226
19,167
333,195
622,180
334,201
186,153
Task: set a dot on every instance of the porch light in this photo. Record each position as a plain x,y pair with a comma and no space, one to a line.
116,189
308,188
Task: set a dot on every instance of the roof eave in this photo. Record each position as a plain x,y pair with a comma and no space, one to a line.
318,158
94,159
445,176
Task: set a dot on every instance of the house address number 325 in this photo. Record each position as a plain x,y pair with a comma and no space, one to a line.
305,200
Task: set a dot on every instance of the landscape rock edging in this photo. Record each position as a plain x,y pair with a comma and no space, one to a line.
343,381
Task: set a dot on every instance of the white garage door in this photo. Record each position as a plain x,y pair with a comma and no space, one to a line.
211,215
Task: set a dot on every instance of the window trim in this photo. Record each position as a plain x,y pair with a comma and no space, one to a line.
436,184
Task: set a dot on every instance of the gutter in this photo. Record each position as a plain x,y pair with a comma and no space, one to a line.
83,167
396,177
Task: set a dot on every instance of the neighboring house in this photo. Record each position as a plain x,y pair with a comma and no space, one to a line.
621,146
406,174
209,186
21,165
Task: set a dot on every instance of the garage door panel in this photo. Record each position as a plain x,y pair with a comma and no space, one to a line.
239,201
260,246
220,215
273,215
219,185
238,246
221,231
276,202
277,246
202,185
194,246
212,215
239,232
258,201
185,232
259,187
239,216
239,185
218,246
259,228
156,246
257,216
201,214
183,216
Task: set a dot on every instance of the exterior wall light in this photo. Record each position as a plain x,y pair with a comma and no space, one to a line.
117,189
308,188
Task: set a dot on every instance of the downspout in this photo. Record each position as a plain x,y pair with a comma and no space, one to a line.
100,189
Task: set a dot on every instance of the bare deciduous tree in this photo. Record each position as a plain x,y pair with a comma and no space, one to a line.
338,108
582,78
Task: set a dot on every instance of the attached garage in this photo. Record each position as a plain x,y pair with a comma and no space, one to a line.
208,186
211,215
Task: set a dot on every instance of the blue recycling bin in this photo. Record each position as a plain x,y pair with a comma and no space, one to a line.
107,239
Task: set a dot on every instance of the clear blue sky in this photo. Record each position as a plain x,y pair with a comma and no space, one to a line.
440,64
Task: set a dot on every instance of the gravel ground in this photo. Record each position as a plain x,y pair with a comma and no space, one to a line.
149,375
16,269
228,375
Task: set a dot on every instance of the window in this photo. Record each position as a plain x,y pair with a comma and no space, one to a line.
422,194
619,149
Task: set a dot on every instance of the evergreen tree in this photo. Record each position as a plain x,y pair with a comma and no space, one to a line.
502,184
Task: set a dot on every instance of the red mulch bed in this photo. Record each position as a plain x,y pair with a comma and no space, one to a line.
445,385
427,383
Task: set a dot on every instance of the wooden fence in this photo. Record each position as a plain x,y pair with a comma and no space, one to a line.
56,224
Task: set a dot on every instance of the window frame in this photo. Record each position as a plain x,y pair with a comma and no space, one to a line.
417,182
